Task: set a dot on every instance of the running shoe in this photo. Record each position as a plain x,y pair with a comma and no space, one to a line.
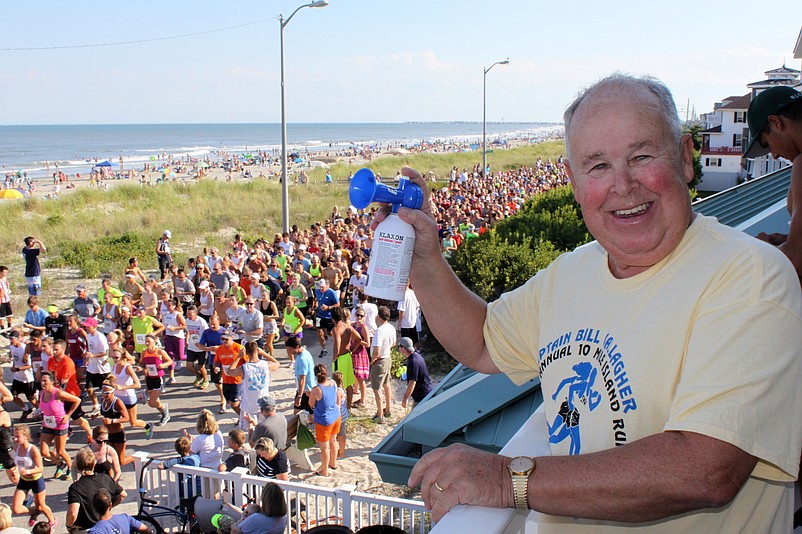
54,524
165,416
323,353
197,382
204,384
60,470
32,521
222,409
169,381
378,419
148,431
28,501
67,474
25,413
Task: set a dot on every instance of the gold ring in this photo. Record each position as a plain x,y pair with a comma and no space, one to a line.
436,485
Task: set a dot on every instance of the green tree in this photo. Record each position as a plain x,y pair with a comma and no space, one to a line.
510,253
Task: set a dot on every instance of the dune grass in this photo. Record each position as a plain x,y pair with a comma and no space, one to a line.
97,231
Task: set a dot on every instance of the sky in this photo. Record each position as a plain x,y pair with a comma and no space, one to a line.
372,61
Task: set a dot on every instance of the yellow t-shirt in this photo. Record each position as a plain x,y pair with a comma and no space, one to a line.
709,341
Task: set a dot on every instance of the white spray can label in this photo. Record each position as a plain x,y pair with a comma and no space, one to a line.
390,259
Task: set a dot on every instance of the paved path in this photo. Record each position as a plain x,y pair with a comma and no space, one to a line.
185,403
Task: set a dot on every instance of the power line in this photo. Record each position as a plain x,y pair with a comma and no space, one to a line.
137,41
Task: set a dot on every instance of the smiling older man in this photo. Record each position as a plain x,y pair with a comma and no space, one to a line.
668,349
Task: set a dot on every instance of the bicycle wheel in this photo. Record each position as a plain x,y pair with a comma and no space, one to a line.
152,523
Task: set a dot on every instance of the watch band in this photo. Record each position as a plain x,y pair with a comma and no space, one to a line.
520,485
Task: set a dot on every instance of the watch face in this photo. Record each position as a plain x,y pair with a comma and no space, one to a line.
521,464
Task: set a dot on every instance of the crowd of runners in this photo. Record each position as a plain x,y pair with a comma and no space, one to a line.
87,375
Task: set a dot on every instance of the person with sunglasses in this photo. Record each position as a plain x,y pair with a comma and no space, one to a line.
360,357
106,458
57,407
154,360
114,414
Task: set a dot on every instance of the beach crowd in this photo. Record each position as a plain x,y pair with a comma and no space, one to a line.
80,378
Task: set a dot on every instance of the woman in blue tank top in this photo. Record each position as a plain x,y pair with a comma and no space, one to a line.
325,399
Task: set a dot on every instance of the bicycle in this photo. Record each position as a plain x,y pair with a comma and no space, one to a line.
150,509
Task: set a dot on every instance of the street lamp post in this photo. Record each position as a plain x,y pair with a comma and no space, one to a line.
285,191
484,112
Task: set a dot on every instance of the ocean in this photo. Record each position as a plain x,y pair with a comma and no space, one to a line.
75,148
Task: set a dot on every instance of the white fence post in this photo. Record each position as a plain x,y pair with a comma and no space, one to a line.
344,495
237,488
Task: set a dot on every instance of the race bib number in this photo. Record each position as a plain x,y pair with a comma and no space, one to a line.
194,338
37,366
288,329
50,421
153,369
317,322
140,339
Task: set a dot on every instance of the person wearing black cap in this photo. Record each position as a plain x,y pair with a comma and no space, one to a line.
163,254
775,126
418,383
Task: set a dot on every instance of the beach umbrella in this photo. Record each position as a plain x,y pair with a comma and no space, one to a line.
106,163
11,193
24,192
203,165
298,160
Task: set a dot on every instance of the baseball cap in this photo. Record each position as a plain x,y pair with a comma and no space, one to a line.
357,268
406,343
80,287
52,308
770,102
204,284
338,252
321,283
89,321
301,247
255,276
222,521
266,402
168,234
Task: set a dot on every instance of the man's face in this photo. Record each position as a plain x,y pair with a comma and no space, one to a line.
629,179
773,137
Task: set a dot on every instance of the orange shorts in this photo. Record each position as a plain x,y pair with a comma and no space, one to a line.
325,433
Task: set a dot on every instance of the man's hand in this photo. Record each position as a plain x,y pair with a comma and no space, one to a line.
466,476
427,242
774,239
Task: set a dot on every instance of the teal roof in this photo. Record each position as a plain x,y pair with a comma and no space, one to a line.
754,206
480,410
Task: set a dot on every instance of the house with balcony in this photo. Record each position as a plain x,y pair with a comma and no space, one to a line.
722,144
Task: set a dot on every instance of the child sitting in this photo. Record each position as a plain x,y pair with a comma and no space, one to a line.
238,456
185,457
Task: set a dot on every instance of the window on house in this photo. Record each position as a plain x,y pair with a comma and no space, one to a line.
737,140
712,162
740,116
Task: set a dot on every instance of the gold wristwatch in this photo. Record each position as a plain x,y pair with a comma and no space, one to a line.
520,468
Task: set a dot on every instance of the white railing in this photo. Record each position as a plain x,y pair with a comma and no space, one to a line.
308,505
